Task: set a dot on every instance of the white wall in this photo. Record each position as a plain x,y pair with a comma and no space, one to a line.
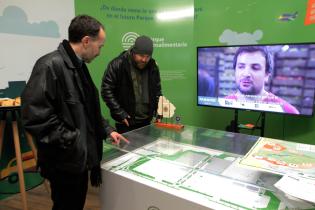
28,30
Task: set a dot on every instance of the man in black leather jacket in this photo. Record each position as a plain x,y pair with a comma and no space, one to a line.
131,86
61,109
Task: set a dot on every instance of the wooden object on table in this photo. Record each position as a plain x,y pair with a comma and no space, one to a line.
13,111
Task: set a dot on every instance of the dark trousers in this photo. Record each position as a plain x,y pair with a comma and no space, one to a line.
122,128
68,191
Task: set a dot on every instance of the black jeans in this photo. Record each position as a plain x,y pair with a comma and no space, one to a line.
122,128
68,191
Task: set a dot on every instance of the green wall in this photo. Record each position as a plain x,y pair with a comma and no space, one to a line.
248,16
178,64
174,53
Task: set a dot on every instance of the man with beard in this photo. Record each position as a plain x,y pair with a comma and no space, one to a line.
253,66
131,86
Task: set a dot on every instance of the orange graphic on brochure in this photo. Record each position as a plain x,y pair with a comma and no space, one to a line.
310,13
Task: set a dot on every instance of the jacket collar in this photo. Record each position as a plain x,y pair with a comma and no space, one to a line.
72,62
69,55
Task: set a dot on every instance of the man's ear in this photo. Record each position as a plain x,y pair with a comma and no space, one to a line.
267,76
85,40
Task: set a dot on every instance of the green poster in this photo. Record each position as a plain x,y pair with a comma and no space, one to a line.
202,23
169,24
227,22
230,22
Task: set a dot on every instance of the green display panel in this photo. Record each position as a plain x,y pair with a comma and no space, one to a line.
213,22
172,38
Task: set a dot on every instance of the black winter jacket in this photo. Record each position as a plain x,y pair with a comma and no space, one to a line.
53,111
117,88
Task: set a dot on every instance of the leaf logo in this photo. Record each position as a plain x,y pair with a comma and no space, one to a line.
129,39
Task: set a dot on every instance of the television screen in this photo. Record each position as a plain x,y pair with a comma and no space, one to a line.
276,78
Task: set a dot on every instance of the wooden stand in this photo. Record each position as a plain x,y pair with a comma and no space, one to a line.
14,111
169,125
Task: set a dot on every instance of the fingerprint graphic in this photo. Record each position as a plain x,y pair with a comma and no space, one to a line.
129,39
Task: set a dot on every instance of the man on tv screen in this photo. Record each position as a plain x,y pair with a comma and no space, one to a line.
253,66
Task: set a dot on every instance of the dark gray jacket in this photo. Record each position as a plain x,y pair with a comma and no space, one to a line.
117,88
54,112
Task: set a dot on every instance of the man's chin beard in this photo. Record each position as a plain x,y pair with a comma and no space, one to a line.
249,92
86,60
142,66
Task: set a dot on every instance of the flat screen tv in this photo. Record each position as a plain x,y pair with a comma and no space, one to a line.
277,78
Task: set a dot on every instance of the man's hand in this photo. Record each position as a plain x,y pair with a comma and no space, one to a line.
158,118
125,121
116,137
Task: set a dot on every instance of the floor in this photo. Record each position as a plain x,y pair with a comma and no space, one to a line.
39,199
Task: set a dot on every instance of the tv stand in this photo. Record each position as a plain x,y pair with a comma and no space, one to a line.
235,126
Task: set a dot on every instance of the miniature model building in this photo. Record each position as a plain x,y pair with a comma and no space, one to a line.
208,177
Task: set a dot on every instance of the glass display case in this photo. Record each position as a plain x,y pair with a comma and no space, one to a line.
191,168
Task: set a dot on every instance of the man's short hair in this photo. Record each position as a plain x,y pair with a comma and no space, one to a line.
251,49
83,25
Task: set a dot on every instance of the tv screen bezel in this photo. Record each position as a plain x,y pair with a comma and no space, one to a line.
246,109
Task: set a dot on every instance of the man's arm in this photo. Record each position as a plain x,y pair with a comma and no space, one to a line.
108,87
158,92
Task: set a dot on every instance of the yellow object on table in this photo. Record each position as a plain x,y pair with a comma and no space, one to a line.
10,102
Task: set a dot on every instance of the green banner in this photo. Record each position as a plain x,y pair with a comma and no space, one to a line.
213,22
168,23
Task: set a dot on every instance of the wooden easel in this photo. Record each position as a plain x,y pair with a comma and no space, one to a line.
13,112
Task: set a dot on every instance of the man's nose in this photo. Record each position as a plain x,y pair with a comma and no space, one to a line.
144,59
246,71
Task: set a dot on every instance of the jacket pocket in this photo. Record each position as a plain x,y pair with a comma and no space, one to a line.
72,156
